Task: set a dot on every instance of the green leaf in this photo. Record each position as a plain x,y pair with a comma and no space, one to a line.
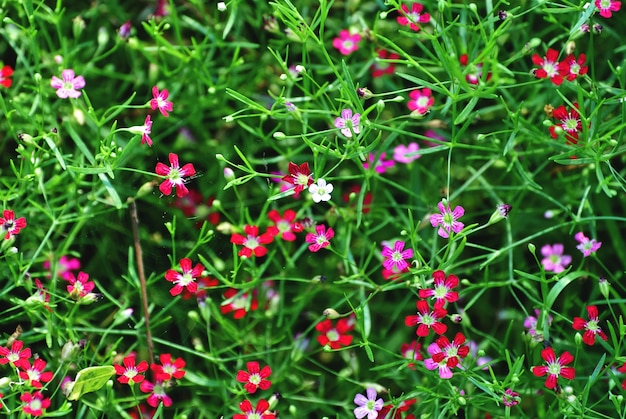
90,379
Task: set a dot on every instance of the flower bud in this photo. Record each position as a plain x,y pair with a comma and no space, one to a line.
330,313
380,106
578,339
279,135
605,287
221,6
364,93
531,248
229,174
501,212
103,36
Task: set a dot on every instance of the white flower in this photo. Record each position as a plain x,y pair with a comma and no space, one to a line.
321,190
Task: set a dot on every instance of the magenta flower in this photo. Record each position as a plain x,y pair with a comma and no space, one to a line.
157,393
586,246
421,101
321,239
554,367
510,398
447,220
146,129
591,326
68,87
395,258
175,176
64,267
79,287
446,355
9,225
367,406
347,43
442,289
554,260
606,7
348,123
427,319
380,164
531,322
406,154
413,17
159,101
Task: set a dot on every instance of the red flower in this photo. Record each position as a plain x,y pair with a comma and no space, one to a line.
185,280
159,100
11,225
283,226
254,378
402,407
34,374
475,72
569,123
175,176
5,73
169,369
252,241
550,67
380,68
130,373
591,327
320,239
575,66
157,393
238,303
334,336
411,18
442,289
35,403
427,319
15,355
260,412
446,355
554,367
81,287
299,176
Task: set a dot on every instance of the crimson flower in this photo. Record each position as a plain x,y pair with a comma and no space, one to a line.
175,176
34,374
250,412
413,17
568,121
252,241
299,176
34,403
194,205
412,351
554,367
159,101
550,67
238,303
204,284
10,225
427,319
283,225
402,407
590,326
185,280
446,355
475,72
15,355
254,378
168,369
334,336
575,66
5,73
130,373
442,289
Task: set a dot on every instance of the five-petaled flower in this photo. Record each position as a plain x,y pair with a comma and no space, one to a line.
575,66
186,279
427,319
169,368
586,245
255,377
550,67
239,303
283,225
413,17
531,323
446,355
395,258
258,412
299,176
16,355
442,289
554,367
157,392
606,7
34,374
569,122
412,352
447,220
174,176
347,43
252,241
320,239
35,403
79,287
130,373
420,101
5,73
69,84
380,67
591,326
348,122
9,225
402,407
553,258
320,191
406,154
159,101
334,336
367,406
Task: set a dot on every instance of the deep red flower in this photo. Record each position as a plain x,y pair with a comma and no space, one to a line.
168,369
550,67
334,336
299,176
569,122
194,205
34,403
130,373
402,407
554,367
575,66
427,319
252,241
238,303
11,225
356,190
34,374
255,378
412,351
5,73
186,279
204,284
446,355
250,412
15,355
591,326
475,71
442,289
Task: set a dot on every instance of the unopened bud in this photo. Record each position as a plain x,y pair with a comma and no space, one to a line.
605,287
501,212
228,173
330,313
531,248
221,6
364,93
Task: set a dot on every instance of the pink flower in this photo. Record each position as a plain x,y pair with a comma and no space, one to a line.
427,319
606,7
447,220
550,67
413,17
406,154
348,123
68,87
81,287
64,267
380,164
575,66
34,403
586,246
10,225
283,226
432,134
446,355
255,377
157,393
510,398
159,101
590,326
395,258
175,176
130,373
252,241
442,289
554,260
555,367
320,239
347,43
5,73
421,101
187,279
381,67
531,323
146,129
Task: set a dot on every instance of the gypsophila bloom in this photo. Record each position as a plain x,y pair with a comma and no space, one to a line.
586,246
406,154
252,241
35,403
175,176
404,406
379,163
413,17
34,374
320,239
427,319
575,66
80,287
334,336
395,258
446,355
420,101
321,191
255,377
474,72
447,220
442,289
569,122
64,267
9,225
249,412
169,368
554,260
555,367
186,279
510,398
531,323
283,225
157,393
146,129
550,67
347,43
130,373
348,123
591,326
15,355
159,101
5,73
607,7
412,352
298,176
367,406
69,85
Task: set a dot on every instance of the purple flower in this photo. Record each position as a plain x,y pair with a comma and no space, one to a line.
554,260
405,154
348,123
531,322
380,164
395,257
69,85
587,246
367,406
447,220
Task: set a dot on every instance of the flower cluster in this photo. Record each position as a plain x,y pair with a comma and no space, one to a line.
254,378
550,67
